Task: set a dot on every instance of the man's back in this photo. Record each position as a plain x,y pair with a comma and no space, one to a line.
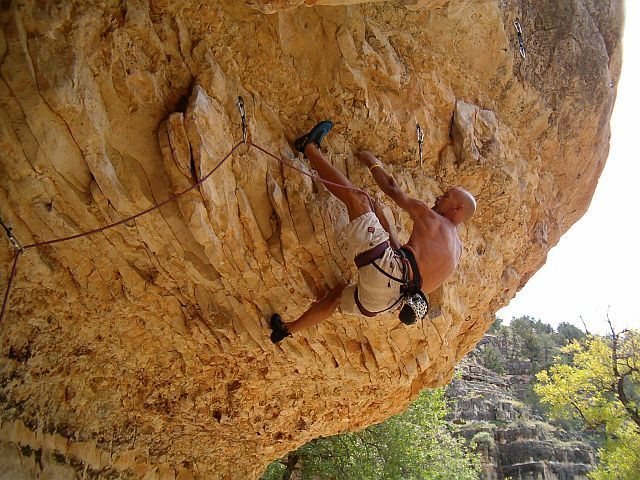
435,243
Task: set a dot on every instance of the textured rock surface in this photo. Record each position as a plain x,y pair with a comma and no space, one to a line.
513,442
143,350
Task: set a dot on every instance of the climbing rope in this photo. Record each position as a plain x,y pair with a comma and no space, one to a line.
315,177
19,249
11,275
139,214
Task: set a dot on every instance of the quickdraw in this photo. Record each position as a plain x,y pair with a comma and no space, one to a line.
516,24
420,136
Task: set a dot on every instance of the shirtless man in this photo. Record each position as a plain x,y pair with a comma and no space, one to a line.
383,270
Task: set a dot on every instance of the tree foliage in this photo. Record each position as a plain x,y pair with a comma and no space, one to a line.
416,444
568,332
492,359
601,389
495,327
526,338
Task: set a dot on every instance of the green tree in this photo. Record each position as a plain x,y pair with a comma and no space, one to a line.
601,389
493,360
537,337
522,326
496,326
416,444
568,332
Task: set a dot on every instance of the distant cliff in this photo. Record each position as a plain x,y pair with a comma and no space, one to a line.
496,412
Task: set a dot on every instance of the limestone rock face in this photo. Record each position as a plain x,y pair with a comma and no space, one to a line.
143,350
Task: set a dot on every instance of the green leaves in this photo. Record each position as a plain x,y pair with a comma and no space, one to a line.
416,444
601,388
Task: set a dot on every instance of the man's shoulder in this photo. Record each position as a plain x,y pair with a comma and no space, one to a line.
428,218
420,210
434,227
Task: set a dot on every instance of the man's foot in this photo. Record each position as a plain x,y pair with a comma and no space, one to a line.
316,135
280,330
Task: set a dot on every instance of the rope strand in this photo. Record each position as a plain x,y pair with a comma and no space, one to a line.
139,214
159,205
6,293
315,177
101,229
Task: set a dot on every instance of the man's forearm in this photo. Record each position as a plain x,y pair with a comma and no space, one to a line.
388,184
384,180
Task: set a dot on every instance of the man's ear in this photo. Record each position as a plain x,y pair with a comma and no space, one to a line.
458,211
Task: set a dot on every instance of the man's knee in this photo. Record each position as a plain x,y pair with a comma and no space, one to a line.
336,292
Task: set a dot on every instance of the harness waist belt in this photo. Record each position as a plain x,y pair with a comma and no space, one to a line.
408,287
368,256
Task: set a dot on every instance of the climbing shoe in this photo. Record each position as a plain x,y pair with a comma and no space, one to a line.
280,330
316,135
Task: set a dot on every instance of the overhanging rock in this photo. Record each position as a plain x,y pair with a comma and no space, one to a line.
144,349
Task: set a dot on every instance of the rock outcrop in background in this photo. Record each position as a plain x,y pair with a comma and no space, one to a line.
143,351
493,411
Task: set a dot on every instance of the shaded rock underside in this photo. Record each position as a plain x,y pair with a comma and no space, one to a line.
143,350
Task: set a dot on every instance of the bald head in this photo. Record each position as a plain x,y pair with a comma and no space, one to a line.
457,204
468,203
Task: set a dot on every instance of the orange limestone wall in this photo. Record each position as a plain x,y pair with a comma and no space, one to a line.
143,351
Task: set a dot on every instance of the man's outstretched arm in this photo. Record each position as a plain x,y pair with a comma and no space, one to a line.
388,184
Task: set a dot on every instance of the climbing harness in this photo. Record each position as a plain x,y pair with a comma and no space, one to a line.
516,24
369,257
410,290
420,135
20,249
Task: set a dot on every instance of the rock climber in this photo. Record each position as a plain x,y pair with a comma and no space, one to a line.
389,274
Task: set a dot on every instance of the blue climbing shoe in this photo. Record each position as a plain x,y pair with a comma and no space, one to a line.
280,330
316,135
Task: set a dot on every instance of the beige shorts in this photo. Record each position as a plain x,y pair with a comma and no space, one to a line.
376,291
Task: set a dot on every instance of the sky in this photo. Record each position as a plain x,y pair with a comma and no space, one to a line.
593,271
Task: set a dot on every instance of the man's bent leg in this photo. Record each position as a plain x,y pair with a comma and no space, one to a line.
357,203
318,311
